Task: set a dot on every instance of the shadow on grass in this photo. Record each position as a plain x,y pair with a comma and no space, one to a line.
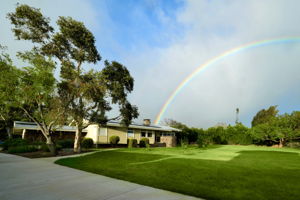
214,146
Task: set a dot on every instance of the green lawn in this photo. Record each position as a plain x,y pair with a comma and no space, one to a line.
218,172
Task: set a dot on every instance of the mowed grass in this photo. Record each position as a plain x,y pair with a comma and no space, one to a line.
218,172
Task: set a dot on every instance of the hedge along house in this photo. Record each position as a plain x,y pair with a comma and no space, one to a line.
101,134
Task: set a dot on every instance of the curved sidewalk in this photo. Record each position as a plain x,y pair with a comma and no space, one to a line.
36,179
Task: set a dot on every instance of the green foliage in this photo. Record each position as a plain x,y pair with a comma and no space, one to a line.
265,116
191,134
82,94
114,140
180,136
33,92
67,143
265,134
9,81
87,143
132,143
22,149
175,124
184,142
44,148
30,24
203,138
270,129
144,142
238,134
13,143
148,146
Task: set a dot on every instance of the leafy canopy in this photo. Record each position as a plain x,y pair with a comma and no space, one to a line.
87,94
264,116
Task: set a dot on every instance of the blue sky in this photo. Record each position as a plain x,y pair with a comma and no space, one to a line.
163,41
136,25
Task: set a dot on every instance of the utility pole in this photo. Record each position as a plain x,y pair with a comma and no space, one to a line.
237,115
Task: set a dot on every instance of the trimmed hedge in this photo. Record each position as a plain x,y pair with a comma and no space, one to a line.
22,149
13,143
132,143
87,143
114,140
44,147
144,142
67,143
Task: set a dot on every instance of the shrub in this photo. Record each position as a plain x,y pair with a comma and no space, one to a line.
22,149
293,144
44,147
13,143
184,142
37,143
132,143
114,140
67,143
238,134
143,142
203,138
87,143
148,146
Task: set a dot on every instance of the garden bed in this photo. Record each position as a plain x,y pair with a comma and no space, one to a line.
43,154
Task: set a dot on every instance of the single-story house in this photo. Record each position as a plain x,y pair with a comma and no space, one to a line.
100,134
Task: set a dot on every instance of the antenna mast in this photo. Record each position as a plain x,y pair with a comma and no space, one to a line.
237,115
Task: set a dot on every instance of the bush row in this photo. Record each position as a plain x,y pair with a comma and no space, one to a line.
132,143
18,145
22,149
13,143
237,134
87,143
144,142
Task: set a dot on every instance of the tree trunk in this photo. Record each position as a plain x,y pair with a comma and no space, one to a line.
51,146
77,146
281,142
24,134
9,132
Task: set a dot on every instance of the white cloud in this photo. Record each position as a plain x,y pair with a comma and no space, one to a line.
250,80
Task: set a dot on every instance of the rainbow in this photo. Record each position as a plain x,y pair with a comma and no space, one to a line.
217,59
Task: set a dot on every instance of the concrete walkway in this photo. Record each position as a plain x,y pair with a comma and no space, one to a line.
36,179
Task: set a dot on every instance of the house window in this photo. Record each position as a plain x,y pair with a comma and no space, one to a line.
143,134
130,133
103,132
149,134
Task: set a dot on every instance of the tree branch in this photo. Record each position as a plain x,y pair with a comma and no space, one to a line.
2,117
86,125
115,118
36,121
56,119
92,107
